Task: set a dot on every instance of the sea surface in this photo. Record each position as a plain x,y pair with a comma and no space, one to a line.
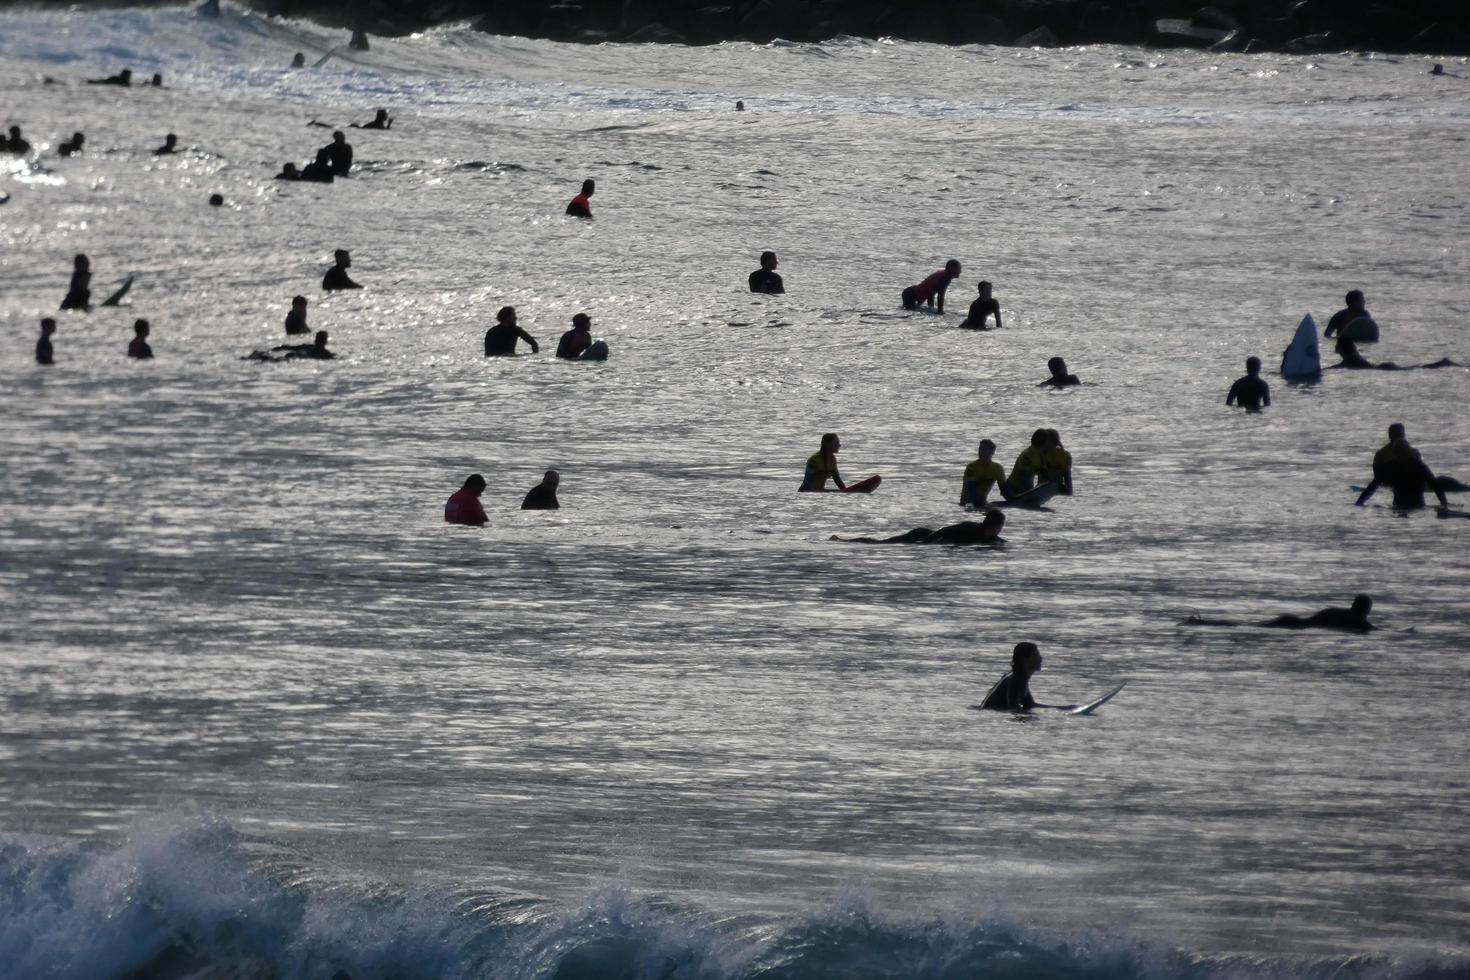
264,714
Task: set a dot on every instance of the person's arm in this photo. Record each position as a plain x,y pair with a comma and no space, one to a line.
535,348
937,300
1433,484
1265,395
1066,481
968,494
997,317
1232,394
1368,491
837,479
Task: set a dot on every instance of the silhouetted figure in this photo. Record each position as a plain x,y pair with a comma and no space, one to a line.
1356,309
1399,466
1251,391
1438,69
296,319
1059,376
577,339
79,293
359,41
288,172
157,80
980,476
216,200
986,531
381,121
299,61
209,9
932,289
72,146
336,277
339,153
43,345
581,206
170,145
17,144
739,105
821,466
543,495
980,308
1028,466
463,506
1013,691
1056,463
314,351
123,78
765,279
320,169
1354,619
138,347
500,340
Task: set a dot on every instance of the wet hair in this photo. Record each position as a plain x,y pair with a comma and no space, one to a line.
987,444
1362,602
1396,431
984,286
588,186
551,476
1056,365
48,323
952,263
505,313
475,480
767,256
216,200
1252,365
298,299
828,438
81,261
140,327
1053,437
338,136
341,254
582,320
1023,651
1354,297
1039,437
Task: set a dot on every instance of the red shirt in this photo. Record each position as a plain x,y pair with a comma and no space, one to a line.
580,207
464,508
936,283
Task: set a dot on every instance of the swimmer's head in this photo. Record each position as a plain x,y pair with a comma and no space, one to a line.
126,74
343,257
830,442
993,519
475,484
48,326
582,321
952,267
339,137
987,449
1057,367
551,479
740,104
216,200
768,260
320,340
1362,605
170,140
81,263
1396,432
140,327
984,288
1252,365
506,314
298,302
1026,658
588,186
1354,299
15,132
1039,438
157,80
299,61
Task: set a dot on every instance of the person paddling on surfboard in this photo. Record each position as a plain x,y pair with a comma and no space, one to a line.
1251,391
980,476
931,290
986,531
1354,619
1399,466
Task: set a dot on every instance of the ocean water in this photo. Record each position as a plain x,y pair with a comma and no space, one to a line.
263,714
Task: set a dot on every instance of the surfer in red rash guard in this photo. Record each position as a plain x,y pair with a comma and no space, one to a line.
581,207
463,506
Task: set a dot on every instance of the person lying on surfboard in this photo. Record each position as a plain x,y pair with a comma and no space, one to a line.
980,476
986,531
1354,619
822,466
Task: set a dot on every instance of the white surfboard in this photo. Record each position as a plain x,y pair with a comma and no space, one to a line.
1300,359
1091,706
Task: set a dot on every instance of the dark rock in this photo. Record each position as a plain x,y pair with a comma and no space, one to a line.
1042,37
562,22
710,25
770,19
1215,17
656,34
1312,43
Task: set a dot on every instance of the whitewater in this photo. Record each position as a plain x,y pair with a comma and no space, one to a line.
264,714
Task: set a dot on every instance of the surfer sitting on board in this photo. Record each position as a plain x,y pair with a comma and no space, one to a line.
138,346
500,340
981,308
931,290
1251,391
79,293
1056,463
986,531
381,121
822,466
1013,691
1356,309
296,320
17,144
982,474
766,279
1059,376
43,345
576,340
1399,466
463,506
337,277
1332,618
1027,467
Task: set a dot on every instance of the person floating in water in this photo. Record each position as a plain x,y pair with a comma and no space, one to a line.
980,476
1356,309
44,353
1352,360
765,279
170,145
932,289
1013,691
1059,376
463,506
123,78
543,495
500,340
138,347
1251,391
299,61
288,172
821,466
577,339
79,293
986,531
581,206
17,144
336,277
381,121
339,154
1056,463
320,169
1399,466
296,319
1354,619
981,308
72,146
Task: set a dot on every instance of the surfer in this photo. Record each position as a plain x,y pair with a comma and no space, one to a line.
1352,360
320,169
288,172
299,61
980,475
543,495
500,340
1028,465
577,339
1251,391
1013,691
581,206
138,346
981,308
1056,463
1399,466
72,146
339,154
1356,309
381,121
17,144
296,319
765,279
985,531
931,290
79,293
157,80
123,78
822,466
1354,619
170,145
336,277
463,506
1059,376
44,353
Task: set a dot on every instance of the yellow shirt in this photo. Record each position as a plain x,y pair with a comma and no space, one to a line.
1055,463
980,477
1031,462
818,472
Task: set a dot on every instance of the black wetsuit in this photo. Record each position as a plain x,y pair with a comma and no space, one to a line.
500,340
337,278
79,294
43,351
1065,381
138,348
320,173
979,309
965,532
293,352
766,281
1406,475
572,344
1250,391
68,147
341,157
296,323
1335,618
1010,693
1342,318
540,497
17,146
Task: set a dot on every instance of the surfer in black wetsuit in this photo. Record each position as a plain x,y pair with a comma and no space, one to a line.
1013,691
1399,466
1356,309
79,293
1352,360
500,340
138,347
581,206
765,279
296,319
123,78
981,308
543,495
72,146
577,339
170,145
44,352
986,531
320,169
17,144
336,277
299,61
1354,619
288,172
1059,376
1251,391
339,153
381,121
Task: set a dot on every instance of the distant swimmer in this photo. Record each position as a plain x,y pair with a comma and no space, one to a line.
1354,361
17,144
765,279
156,81
1438,69
79,293
336,277
500,340
138,347
1059,376
72,146
170,145
44,353
320,169
740,104
1354,619
821,466
216,200
1013,691
359,41
288,172
463,506
986,531
981,308
299,61
577,339
543,495
123,78
296,319
1399,466
1056,463
1250,392
931,290
339,154
980,476
381,121
1356,309
581,206
314,351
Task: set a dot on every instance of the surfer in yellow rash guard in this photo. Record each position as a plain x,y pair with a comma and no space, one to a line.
982,474
1056,463
1029,465
822,466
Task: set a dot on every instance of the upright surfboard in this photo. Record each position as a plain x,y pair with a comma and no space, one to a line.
1300,359
122,291
1091,706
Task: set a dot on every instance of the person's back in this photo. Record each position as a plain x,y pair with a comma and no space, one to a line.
44,353
1399,466
336,277
1357,307
17,144
577,339
339,154
1250,392
766,279
1056,467
463,506
821,466
981,475
932,289
1059,376
581,205
320,169
72,146
1354,619
296,319
543,495
79,293
138,347
1028,466
1013,691
500,340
